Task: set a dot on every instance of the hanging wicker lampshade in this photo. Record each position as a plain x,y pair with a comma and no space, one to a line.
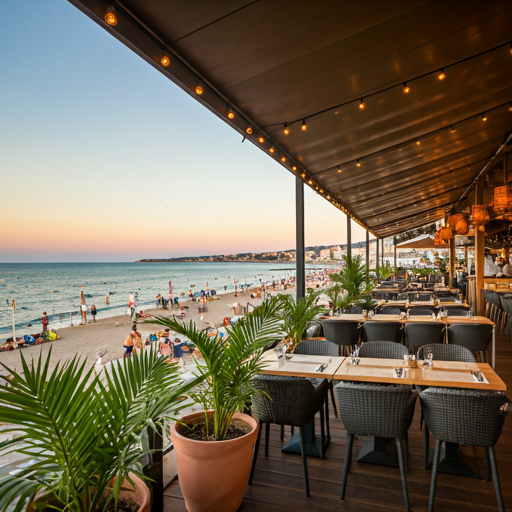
480,214
445,233
437,239
462,227
503,199
453,219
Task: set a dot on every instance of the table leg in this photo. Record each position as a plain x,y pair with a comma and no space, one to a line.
452,464
312,441
375,451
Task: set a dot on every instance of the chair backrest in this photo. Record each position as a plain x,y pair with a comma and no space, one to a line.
418,334
456,311
377,330
383,350
421,311
317,347
424,296
506,303
390,310
494,298
444,352
471,336
285,400
464,416
354,310
380,410
341,332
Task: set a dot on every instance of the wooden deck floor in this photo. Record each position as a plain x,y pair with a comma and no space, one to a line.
279,486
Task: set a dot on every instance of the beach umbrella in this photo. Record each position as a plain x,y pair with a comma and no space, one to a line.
82,303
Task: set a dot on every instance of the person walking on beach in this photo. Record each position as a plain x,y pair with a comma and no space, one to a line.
93,312
128,345
137,338
107,299
44,321
158,300
84,314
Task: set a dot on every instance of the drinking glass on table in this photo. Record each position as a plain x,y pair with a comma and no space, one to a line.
428,356
280,356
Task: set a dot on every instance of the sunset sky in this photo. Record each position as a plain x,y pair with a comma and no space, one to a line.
104,159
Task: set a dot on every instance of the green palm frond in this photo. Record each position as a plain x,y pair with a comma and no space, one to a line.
229,366
78,432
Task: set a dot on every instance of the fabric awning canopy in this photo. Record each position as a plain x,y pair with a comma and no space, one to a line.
296,62
421,243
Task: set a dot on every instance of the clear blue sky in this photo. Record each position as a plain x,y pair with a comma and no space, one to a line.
104,159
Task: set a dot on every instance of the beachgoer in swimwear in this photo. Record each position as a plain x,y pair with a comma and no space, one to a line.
44,320
93,312
128,345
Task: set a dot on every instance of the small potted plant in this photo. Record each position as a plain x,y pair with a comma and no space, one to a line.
80,433
298,315
214,447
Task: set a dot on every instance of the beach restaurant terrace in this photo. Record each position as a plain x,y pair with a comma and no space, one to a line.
395,112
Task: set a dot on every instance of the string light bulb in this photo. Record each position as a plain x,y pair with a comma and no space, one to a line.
271,150
441,75
249,130
304,126
339,168
283,159
262,140
286,129
510,107
358,163
294,168
328,197
165,60
418,142
110,16
452,128
303,175
484,117
199,90
361,104
406,88
310,182
231,114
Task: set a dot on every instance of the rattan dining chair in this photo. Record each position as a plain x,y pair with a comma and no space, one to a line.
383,350
390,310
506,303
319,347
292,401
441,352
377,410
475,337
418,334
424,297
342,333
465,416
376,330
417,311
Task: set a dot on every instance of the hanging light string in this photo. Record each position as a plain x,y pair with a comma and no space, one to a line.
405,86
415,140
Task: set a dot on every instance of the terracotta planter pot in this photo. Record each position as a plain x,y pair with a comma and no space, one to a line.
213,475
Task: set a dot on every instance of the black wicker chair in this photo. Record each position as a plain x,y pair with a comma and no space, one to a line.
341,332
423,333
319,348
376,330
290,401
475,337
441,352
380,411
506,303
417,311
464,416
424,297
383,350
390,310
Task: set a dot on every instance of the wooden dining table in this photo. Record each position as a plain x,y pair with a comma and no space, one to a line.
449,320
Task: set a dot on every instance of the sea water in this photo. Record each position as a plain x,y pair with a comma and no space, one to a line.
56,287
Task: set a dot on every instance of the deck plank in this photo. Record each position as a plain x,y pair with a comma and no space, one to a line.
279,486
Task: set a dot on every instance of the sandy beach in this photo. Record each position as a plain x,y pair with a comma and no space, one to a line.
87,340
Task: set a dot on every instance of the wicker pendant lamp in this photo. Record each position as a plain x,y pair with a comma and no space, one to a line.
503,195
480,214
445,233
458,223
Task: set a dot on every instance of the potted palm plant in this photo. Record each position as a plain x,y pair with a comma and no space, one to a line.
214,447
79,433
299,314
